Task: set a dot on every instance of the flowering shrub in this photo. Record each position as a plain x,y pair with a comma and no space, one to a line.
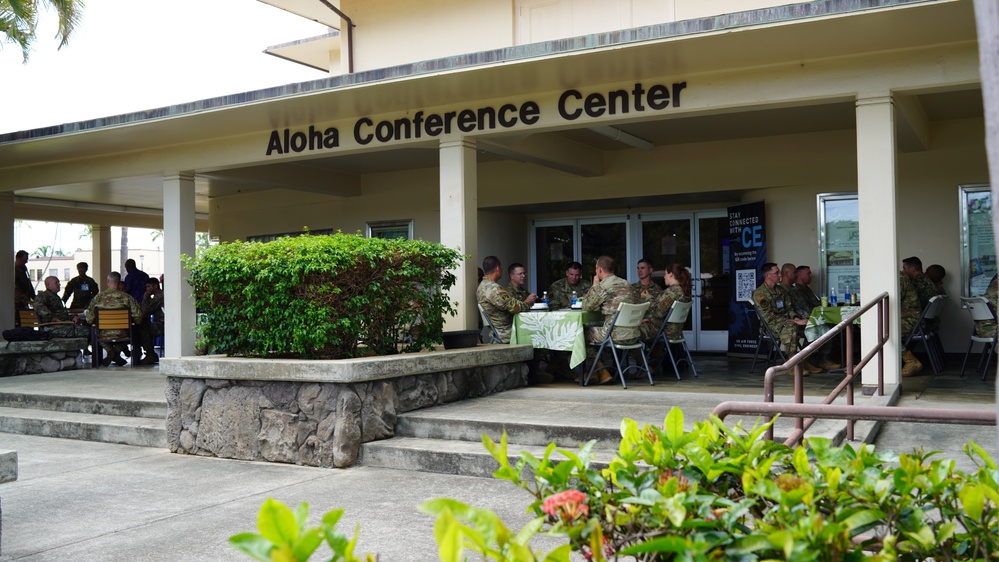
718,493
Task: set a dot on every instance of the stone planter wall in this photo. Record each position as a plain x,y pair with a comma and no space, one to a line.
317,422
49,356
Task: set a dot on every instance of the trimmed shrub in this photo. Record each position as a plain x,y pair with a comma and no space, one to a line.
320,296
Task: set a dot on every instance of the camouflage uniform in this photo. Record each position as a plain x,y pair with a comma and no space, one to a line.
560,293
499,306
925,290
82,288
651,292
910,308
804,298
790,298
987,328
519,293
49,308
24,290
113,298
658,311
779,314
152,313
604,298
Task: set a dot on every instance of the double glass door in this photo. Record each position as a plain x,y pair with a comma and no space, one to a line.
695,240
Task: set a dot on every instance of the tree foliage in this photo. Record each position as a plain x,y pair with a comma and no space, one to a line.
19,21
322,296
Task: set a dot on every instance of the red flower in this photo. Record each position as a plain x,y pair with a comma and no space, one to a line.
567,506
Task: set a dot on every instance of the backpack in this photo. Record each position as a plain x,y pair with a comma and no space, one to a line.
24,333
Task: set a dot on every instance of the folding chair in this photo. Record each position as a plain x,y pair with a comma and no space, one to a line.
980,311
766,336
921,332
118,319
677,314
494,336
626,316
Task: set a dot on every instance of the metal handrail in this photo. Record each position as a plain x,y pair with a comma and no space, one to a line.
799,409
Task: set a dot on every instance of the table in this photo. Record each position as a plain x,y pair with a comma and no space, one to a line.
561,330
823,318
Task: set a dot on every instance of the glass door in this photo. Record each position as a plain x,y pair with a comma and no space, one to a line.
696,241
603,236
553,247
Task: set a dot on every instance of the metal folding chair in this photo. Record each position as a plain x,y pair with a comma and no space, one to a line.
677,314
626,316
494,336
979,309
765,337
921,332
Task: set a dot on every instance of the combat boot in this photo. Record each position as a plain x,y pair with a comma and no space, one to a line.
910,364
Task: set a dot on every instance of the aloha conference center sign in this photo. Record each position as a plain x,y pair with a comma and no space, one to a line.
572,105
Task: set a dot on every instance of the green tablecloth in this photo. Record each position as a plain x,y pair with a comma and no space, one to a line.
823,318
561,330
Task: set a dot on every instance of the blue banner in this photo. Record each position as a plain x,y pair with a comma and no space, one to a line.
747,246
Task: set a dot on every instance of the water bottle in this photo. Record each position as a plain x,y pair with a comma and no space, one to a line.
832,299
846,297
575,299
544,298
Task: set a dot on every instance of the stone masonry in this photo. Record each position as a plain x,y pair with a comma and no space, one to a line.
309,422
49,356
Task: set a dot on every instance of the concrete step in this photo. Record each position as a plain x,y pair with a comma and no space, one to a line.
445,456
127,430
85,405
8,466
429,424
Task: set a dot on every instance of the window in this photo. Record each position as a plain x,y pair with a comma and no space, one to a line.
390,229
978,252
839,243
273,237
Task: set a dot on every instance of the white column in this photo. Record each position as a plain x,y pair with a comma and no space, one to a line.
7,241
101,241
178,235
459,226
878,233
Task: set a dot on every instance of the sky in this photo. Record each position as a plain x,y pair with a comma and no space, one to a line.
132,55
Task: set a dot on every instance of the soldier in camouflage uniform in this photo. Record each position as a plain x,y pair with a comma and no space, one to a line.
50,308
774,308
24,290
987,328
804,300
111,297
926,289
910,311
645,290
678,288
560,292
518,283
153,321
499,305
607,292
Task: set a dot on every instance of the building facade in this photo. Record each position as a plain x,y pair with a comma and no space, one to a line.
544,131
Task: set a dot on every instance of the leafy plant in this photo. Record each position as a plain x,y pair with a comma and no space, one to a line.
720,493
319,296
285,537
717,493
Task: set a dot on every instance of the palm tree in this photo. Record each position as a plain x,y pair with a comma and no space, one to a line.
19,19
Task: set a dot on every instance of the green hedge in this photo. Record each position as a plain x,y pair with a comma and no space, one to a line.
319,296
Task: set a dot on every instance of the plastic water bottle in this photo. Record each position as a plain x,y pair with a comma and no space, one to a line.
575,299
832,299
846,297
544,298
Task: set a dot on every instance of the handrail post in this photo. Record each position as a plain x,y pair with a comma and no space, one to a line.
882,309
849,374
